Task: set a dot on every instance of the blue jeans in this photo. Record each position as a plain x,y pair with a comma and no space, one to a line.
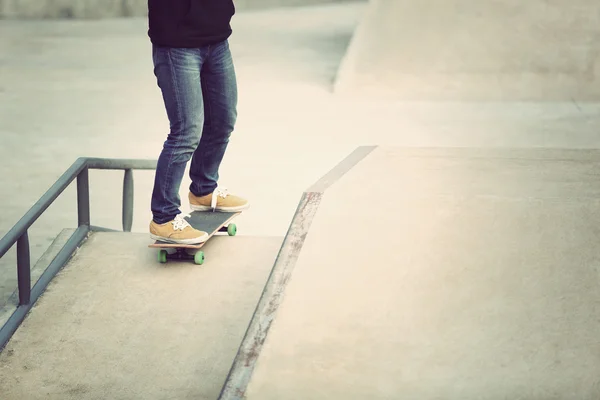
199,90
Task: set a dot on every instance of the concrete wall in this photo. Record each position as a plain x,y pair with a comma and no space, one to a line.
262,4
475,50
72,8
114,8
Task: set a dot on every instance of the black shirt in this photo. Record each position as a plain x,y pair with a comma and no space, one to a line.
189,23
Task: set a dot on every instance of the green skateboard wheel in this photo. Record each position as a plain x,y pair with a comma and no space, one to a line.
199,258
162,256
232,229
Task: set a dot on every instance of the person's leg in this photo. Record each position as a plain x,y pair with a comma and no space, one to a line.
219,88
178,76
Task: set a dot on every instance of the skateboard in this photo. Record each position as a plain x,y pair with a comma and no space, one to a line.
207,221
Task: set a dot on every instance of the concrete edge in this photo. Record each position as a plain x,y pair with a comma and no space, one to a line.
340,170
501,153
62,258
40,266
240,374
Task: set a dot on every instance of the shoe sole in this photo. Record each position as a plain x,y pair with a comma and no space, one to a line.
219,209
193,241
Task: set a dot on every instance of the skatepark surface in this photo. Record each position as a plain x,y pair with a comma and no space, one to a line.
117,324
455,274
457,260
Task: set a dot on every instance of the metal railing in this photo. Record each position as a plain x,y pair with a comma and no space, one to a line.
19,233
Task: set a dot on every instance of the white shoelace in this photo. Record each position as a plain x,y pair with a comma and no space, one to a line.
219,192
179,223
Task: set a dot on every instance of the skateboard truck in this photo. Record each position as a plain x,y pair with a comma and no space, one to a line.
201,220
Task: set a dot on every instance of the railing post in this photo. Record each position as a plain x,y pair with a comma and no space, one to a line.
83,198
24,269
128,200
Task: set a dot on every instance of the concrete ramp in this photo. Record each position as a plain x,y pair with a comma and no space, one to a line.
475,50
115,324
455,274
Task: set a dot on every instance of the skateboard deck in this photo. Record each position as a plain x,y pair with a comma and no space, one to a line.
207,221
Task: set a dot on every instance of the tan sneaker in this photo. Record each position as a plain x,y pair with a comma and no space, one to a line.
177,231
219,200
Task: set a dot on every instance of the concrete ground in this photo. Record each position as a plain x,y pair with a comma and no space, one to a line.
116,324
473,274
